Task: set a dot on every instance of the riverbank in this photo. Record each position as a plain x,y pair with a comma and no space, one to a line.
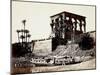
90,64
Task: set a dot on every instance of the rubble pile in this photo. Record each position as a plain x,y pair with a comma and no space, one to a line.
74,52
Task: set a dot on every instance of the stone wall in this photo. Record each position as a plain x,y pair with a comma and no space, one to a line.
42,47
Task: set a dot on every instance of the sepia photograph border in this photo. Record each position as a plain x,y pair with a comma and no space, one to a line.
49,3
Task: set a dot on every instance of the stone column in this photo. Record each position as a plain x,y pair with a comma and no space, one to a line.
71,24
84,26
80,25
52,24
75,24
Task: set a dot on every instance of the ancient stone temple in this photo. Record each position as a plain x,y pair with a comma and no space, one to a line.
66,26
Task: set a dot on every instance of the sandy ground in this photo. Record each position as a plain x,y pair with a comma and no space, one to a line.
80,66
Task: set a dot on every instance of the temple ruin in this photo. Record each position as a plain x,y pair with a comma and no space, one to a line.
65,27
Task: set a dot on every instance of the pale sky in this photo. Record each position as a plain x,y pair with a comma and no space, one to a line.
38,17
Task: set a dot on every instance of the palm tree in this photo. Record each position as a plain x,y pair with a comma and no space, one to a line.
24,21
18,31
28,37
22,36
26,31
